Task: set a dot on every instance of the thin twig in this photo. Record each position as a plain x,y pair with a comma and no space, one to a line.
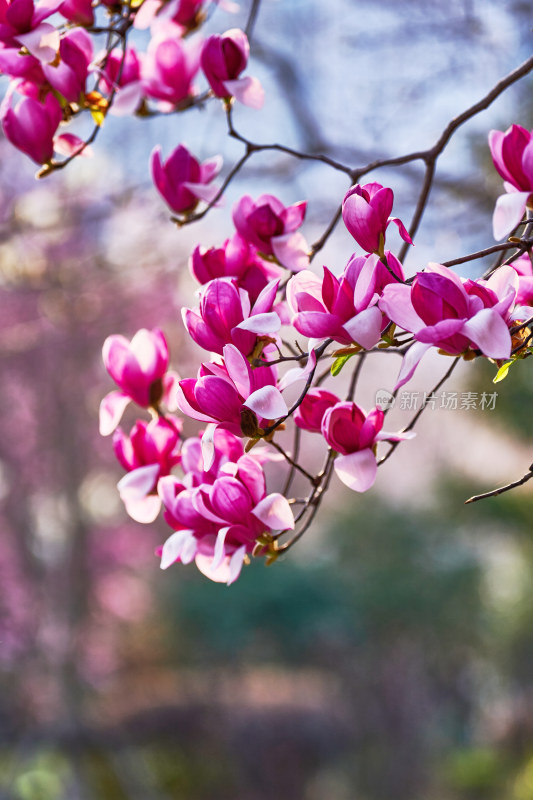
524,479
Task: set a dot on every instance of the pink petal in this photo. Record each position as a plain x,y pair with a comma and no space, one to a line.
306,283
266,297
219,553
238,369
111,410
297,373
201,191
235,565
227,572
508,213
247,91
210,168
67,144
400,436
127,99
503,281
170,389
42,42
404,233
275,512
357,470
291,250
262,324
143,509
410,362
397,305
139,482
267,403
208,445
365,327
173,547
490,333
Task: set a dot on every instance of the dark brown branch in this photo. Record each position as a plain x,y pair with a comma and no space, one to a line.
524,479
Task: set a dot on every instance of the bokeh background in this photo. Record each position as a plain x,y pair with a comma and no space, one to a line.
389,655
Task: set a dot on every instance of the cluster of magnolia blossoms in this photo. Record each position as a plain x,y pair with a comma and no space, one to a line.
59,71
212,487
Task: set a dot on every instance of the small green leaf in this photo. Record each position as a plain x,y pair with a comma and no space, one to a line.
339,363
502,372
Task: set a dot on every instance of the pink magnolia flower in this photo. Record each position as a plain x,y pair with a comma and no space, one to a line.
30,125
122,74
454,314
512,154
311,410
139,368
168,70
343,309
223,59
354,435
272,228
237,259
366,213
21,23
225,394
182,181
217,524
225,317
69,76
149,453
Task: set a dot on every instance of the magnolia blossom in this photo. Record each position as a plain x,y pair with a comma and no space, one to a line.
21,25
512,154
310,413
223,59
182,181
366,213
148,453
354,434
69,75
217,522
122,74
236,259
139,368
226,317
343,309
31,126
272,228
233,396
168,70
454,314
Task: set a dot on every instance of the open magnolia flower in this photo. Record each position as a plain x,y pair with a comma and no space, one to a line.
346,308
233,396
140,369
512,154
457,315
354,434
218,521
